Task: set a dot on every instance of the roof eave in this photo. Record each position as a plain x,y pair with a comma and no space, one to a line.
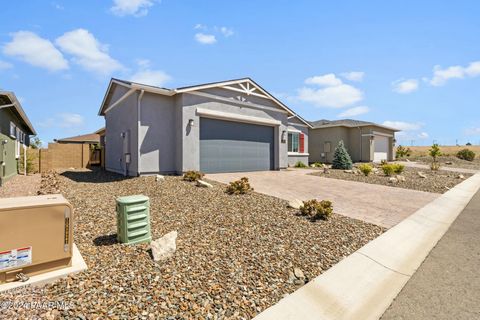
18,107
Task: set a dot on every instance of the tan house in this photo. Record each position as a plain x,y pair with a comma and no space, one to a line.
365,141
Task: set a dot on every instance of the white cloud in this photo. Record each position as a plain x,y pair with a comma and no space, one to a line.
356,76
327,80
473,131
405,86
5,65
404,126
151,77
36,51
205,38
355,111
64,120
423,135
200,26
136,8
227,32
441,76
88,51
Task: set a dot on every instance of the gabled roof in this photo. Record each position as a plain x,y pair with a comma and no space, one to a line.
351,123
246,85
9,100
84,138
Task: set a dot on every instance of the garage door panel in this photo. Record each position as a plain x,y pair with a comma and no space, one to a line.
227,146
381,148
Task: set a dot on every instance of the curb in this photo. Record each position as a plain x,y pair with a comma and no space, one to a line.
364,284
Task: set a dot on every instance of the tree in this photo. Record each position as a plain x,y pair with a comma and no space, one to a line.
468,144
35,143
435,152
341,158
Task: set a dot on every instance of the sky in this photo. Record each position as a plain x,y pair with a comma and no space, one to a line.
412,65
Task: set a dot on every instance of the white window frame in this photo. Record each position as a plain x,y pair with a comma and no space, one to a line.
292,138
13,130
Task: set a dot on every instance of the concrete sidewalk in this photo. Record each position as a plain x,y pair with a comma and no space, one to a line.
447,284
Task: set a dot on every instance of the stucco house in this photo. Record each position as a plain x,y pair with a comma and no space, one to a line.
365,141
227,126
15,131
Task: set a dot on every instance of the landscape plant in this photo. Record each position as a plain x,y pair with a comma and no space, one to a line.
398,168
315,209
193,175
434,152
365,168
241,186
466,154
388,169
300,164
341,158
317,165
402,152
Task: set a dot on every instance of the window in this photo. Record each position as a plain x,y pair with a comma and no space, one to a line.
293,141
17,149
13,130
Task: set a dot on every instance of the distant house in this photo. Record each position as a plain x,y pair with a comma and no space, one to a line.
90,138
227,126
15,131
365,141
83,151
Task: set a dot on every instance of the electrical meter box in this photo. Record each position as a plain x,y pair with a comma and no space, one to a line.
133,219
36,236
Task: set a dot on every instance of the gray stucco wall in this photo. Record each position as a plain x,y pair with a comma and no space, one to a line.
121,119
317,139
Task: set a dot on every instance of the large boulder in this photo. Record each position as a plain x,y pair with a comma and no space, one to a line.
164,247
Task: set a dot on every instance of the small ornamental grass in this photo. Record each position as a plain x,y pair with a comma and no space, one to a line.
300,164
192,175
316,210
241,186
365,168
390,168
466,154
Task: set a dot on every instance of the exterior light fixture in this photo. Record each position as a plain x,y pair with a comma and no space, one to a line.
190,122
284,136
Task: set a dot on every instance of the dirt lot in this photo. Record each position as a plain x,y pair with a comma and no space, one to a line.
234,258
435,181
420,154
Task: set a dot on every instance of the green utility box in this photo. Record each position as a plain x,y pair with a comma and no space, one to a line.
133,219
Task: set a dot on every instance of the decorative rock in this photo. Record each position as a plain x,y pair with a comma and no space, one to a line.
461,176
449,162
164,247
392,180
298,273
291,277
348,171
159,177
325,170
421,175
401,178
295,203
407,160
203,184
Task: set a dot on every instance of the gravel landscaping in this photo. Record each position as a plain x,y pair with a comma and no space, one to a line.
434,181
450,161
236,254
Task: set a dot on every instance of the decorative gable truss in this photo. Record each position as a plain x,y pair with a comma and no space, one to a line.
246,88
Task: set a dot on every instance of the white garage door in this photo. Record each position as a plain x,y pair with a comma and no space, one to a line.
381,148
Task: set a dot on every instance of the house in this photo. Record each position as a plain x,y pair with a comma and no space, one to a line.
227,126
15,131
89,138
365,141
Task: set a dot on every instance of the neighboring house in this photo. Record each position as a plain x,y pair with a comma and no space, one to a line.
79,151
90,138
228,126
365,141
15,131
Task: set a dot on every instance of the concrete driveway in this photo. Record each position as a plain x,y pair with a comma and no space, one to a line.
381,205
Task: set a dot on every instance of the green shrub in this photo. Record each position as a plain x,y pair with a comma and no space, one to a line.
192,175
341,158
402,152
317,165
466,154
388,169
398,168
435,152
365,168
317,209
300,164
241,186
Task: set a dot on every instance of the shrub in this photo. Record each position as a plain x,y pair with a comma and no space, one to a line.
468,144
365,168
300,164
402,152
398,168
466,154
388,169
317,165
317,209
341,158
435,152
192,175
241,186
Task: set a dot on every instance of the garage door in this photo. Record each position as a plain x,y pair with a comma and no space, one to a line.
227,146
381,148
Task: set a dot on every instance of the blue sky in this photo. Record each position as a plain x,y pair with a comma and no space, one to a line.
410,64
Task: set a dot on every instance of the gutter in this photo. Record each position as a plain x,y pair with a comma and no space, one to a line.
139,103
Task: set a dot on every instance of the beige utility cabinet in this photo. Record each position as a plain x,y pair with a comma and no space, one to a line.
36,235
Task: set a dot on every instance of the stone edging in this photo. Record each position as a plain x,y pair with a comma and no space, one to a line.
364,284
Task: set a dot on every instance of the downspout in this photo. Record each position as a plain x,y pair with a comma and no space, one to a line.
139,103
